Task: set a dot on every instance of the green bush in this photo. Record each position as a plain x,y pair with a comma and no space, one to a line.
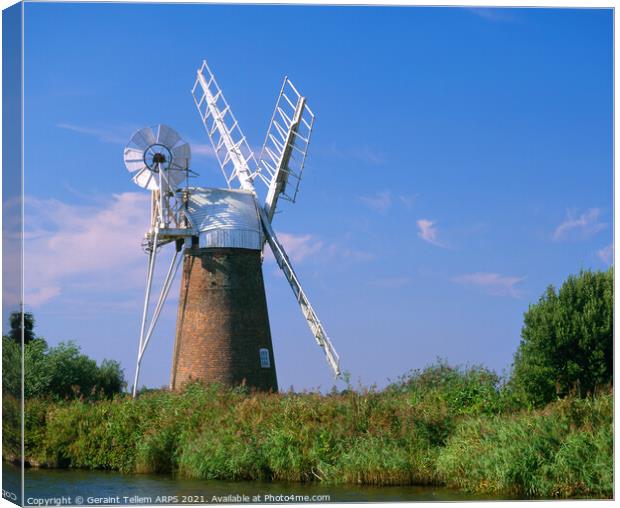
11,428
567,340
472,390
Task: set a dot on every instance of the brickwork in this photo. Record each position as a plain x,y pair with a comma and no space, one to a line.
222,321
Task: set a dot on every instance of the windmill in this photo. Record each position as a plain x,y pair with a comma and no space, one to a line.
220,234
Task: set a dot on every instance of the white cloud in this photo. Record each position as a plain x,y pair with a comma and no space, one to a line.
70,245
299,247
11,252
116,135
492,283
95,248
606,254
492,14
428,232
379,202
579,228
382,201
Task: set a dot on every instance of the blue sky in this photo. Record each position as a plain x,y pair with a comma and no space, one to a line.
461,162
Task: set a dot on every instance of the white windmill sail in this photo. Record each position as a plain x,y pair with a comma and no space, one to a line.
234,155
230,145
284,151
306,308
282,160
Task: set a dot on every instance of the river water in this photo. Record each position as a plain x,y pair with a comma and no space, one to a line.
91,488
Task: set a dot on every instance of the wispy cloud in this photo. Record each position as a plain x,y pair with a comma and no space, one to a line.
408,200
116,135
383,200
67,245
338,250
122,134
606,254
428,232
492,283
11,251
201,149
300,248
579,228
36,297
379,202
365,154
493,13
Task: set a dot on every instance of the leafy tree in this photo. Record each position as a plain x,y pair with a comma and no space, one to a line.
64,372
567,340
37,369
11,367
110,378
71,373
15,322
58,372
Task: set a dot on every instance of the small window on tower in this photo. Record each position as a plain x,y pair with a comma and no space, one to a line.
265,362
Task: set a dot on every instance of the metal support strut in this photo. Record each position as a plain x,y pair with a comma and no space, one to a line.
172,270
145,311
144,339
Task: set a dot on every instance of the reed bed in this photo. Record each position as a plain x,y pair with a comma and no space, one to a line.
438,427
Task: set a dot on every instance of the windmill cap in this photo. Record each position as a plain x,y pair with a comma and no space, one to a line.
225,218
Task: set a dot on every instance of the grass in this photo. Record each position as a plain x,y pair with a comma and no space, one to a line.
441,426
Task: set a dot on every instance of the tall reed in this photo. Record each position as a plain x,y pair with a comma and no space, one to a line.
440,426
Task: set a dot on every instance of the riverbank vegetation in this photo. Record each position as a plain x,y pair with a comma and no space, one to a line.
444,425
462,432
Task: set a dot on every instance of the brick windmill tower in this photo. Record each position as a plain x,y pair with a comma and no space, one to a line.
219,235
